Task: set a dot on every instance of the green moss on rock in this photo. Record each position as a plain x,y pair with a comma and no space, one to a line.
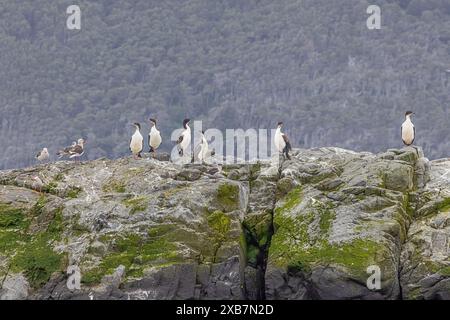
326,219
284,186
31,254
136,204
260,227
59,177
35,255
291,200
444,206
38,207
73,192
136,253
13,226
300,241
38,261
219,224
11,217
228,197
114,185
51,188
355,256
292,248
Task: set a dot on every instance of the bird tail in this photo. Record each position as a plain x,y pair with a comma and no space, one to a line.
151,149
288,146
286,150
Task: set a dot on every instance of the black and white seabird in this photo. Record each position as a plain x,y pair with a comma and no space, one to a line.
282,142
43,155
65,151
408,130
76,150
137,142
184,140
202,152
154,137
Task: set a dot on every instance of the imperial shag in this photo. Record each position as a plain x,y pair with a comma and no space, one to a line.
184,140
408,130
154,137
137,142
281,141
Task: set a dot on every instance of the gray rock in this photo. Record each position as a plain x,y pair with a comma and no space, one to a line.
307,228
14,287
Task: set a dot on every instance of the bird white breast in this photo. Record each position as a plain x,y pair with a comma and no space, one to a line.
43,156
155,138
136,142
204,150
279,141
408,132
76,155
186,139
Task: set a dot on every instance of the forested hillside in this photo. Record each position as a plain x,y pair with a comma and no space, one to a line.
232,63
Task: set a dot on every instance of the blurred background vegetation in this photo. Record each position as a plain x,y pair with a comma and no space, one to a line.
232,63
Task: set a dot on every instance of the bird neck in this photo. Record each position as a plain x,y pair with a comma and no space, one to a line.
137,130
186,126
408,118
278,130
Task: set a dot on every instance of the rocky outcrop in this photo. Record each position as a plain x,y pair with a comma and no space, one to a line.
350,211
152,229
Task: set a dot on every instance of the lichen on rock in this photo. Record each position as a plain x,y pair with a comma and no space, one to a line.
307,228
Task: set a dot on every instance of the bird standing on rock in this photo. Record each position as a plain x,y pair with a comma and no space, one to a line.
43,155
201,152
408,130
66,150
184,140
76,150
154,137
281,141
137,142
